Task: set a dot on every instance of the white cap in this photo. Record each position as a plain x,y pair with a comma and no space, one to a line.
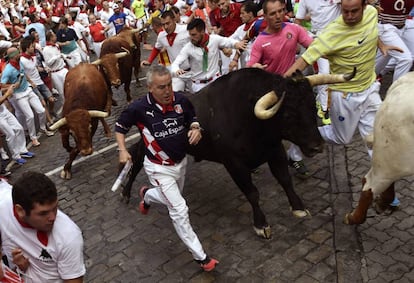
115,6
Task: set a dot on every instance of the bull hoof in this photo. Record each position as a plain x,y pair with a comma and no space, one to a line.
301,213
381,208
124,199
264,232
66,175
349,219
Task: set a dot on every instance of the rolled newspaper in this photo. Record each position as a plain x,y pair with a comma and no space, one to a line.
122,176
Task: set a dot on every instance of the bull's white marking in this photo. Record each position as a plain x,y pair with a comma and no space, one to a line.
84,158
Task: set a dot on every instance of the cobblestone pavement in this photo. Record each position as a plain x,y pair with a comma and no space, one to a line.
121,245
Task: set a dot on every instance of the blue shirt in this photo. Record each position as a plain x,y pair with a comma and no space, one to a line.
118,20
11,75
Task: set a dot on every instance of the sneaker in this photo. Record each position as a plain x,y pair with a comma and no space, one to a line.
20,161
27,154
320,111
396,202
326,120
5,173
143,207
35,142
47,132
300,167
208,264
4,155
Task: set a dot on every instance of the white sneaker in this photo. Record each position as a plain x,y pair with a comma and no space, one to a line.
47,132
4,154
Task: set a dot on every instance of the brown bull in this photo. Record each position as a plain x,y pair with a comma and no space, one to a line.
86,99
133,37
119,54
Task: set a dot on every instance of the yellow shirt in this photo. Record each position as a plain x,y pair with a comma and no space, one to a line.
347,47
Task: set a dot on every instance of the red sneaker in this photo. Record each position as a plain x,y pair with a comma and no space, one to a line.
143,207
209,264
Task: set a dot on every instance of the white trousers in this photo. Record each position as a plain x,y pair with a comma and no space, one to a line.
75,58
351,111
97,48
58,81
11,128
168,182
24,104
403,38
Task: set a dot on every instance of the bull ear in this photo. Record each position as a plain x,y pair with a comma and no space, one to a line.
261,108
322,79
61,122
97,62
97,114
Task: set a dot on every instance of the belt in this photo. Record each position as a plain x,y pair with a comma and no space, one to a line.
397,26
206,80
164,162
54,71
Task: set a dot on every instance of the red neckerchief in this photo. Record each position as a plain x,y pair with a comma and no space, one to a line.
41,236
52,44
165,108
15,64
171,38
27,56
248,25
204,42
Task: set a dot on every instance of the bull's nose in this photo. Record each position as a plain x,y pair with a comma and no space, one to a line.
116,83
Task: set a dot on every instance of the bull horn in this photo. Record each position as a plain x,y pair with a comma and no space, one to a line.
98,114
261,108
322,79
97,62
61,122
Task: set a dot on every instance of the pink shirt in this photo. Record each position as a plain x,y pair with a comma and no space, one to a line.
278,50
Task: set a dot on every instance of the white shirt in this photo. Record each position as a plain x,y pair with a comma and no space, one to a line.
62,258
321,12
30,70
53,58
194,55
181,39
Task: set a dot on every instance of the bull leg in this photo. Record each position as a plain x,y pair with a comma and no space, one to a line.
278,165
64,136
384,200
106,128
111,94
242,177
108,105
128,92
66,172
359,214
137,154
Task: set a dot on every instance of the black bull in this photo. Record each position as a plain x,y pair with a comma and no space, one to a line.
236,138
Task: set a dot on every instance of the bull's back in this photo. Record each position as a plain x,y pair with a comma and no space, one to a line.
394,130
85,88
225,109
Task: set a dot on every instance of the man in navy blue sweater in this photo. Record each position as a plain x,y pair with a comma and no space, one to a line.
167,123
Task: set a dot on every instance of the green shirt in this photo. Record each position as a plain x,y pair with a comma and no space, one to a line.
347,47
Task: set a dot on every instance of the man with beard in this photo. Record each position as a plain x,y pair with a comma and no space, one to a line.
203,54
